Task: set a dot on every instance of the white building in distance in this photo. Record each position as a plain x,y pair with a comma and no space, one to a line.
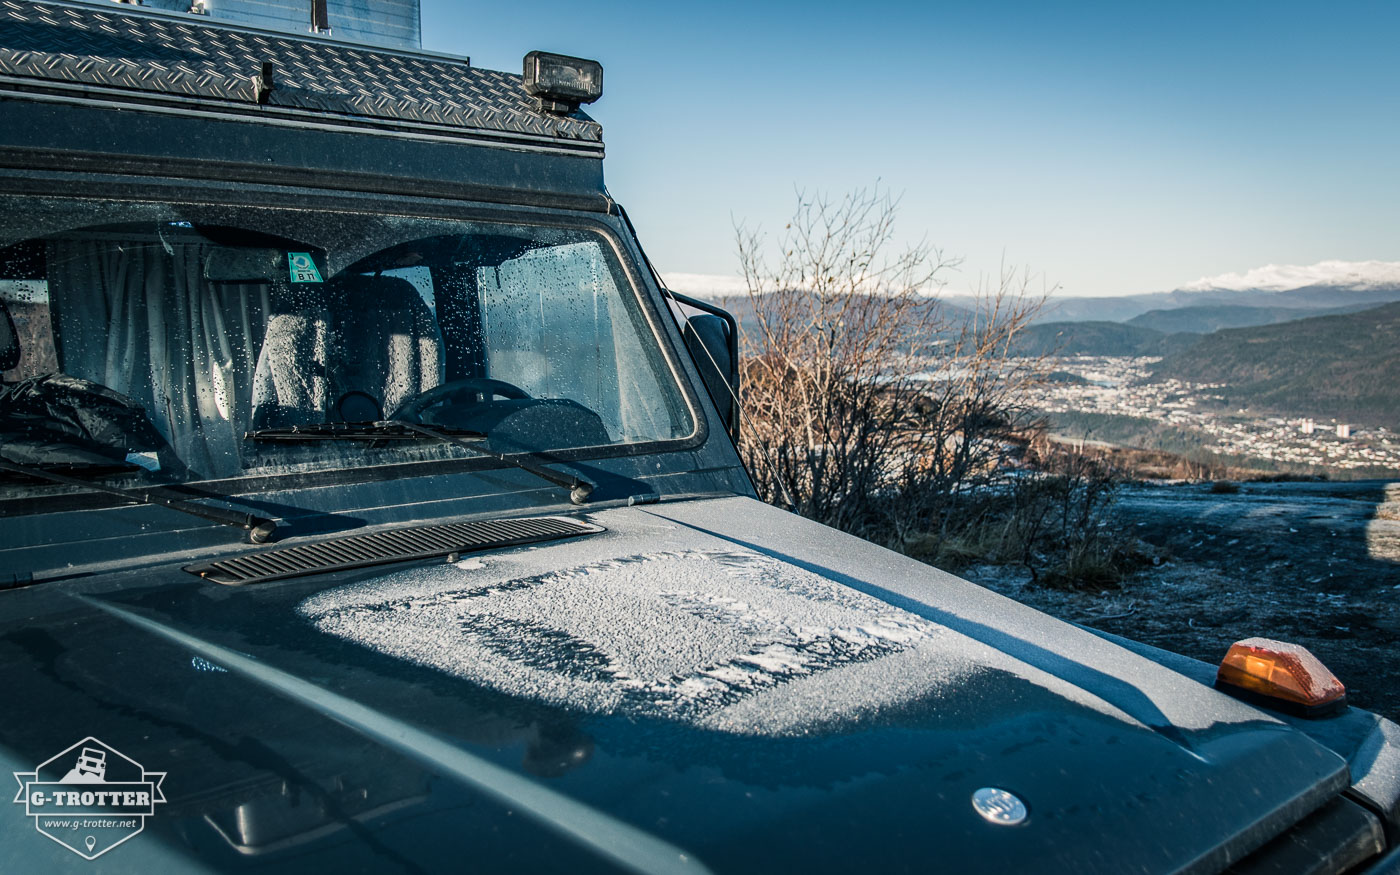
392,23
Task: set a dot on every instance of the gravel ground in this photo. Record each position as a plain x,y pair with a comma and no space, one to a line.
1313,563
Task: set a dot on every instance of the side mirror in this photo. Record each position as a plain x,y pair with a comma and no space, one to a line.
712,344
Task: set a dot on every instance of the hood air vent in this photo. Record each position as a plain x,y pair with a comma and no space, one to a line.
399,545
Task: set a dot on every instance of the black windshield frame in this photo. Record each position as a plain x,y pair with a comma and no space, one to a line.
662,330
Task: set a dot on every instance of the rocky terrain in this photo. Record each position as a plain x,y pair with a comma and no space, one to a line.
1313,563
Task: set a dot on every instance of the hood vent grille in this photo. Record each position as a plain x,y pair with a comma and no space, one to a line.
399,545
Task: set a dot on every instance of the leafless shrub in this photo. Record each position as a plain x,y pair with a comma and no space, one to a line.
1085,548
871,404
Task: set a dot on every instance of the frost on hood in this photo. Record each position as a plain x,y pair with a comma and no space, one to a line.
733,641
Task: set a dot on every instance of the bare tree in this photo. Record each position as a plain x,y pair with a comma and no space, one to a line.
870,400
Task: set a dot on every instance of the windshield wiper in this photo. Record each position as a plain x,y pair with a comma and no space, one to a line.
579,489
398,429
389,430
259,530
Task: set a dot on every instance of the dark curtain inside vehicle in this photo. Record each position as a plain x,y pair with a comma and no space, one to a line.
139,318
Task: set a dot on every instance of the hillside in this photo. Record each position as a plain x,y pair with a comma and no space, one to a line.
1344,366
1122,309
1098,338
1205,319
938,311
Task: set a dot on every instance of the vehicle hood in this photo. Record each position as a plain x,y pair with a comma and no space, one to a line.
706,685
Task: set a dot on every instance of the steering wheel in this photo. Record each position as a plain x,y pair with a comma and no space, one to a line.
473,390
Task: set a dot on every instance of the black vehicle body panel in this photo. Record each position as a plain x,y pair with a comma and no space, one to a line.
1061,727
142,142
299,741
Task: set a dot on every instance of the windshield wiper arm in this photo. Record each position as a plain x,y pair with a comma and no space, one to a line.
399,429
579,488
390,430
259,530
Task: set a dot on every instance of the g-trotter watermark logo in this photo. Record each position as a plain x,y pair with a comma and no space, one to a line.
90,798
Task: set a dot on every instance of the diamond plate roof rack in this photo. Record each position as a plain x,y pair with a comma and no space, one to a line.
146,56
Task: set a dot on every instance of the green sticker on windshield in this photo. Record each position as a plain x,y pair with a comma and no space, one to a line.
303,268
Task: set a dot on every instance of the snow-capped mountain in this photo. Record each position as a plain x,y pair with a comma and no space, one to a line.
1259,296
1327,285
1356,275
706,285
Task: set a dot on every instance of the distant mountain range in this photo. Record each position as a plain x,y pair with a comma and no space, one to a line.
1327,286
1263,296
1283,278
1168,323
1129,307
1345,366
1208,318
1099,338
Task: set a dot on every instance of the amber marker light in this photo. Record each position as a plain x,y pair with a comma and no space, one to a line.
1282,676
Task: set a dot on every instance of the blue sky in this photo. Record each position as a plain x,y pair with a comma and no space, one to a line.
1113,147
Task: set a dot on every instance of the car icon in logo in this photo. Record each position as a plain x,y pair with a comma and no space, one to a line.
90,769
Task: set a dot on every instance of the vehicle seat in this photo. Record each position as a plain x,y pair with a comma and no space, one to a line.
58,419
355,349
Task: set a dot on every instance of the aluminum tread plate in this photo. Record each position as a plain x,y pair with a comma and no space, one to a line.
153,55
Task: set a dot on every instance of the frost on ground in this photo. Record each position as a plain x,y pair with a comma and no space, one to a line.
1313,563
733,641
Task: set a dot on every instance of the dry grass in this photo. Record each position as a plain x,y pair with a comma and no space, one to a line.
1056,521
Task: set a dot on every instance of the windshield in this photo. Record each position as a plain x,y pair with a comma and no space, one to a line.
190,342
